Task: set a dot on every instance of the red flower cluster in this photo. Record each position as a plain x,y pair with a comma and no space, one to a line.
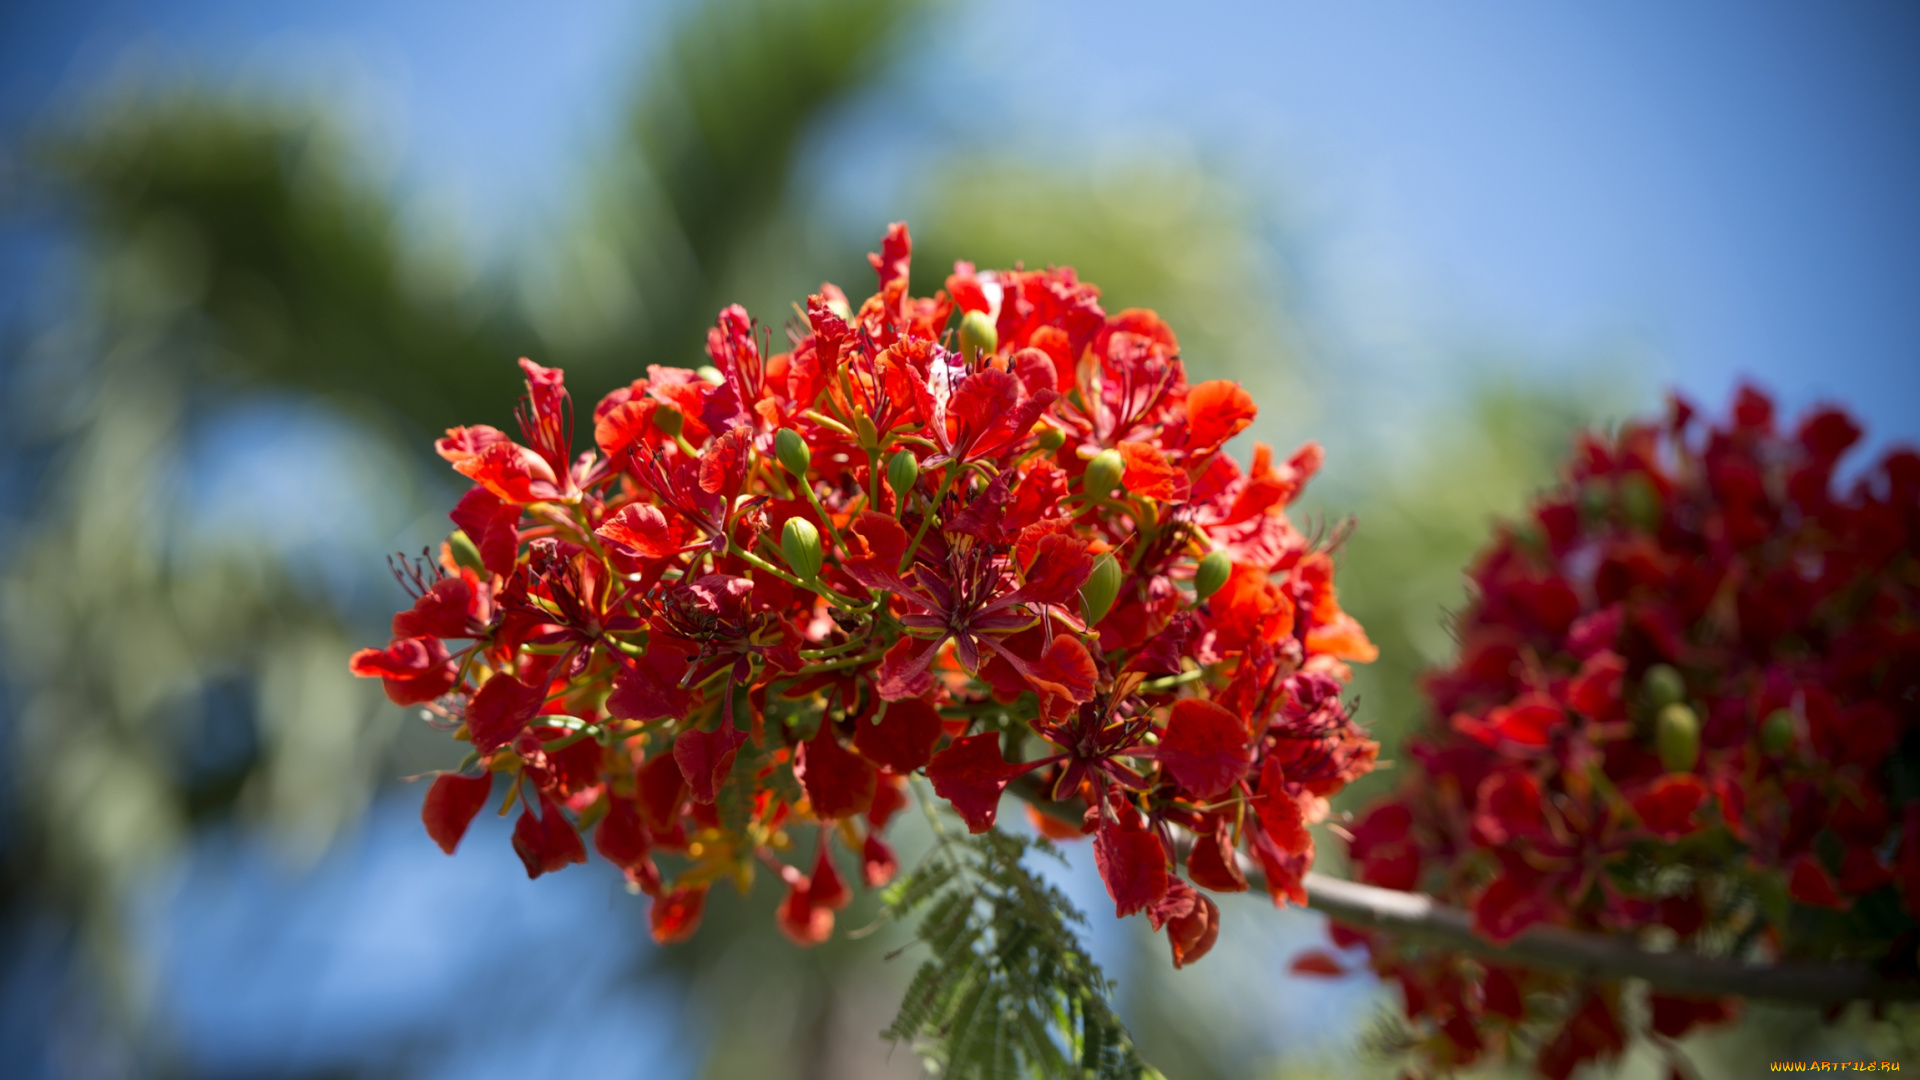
1685,709
988,535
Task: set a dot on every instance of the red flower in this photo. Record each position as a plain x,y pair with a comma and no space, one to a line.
452,803
971,774
546,843
1205,748
876,537
838,783
412,670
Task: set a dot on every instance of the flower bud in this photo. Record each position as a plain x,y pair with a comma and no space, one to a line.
903,472
792,451
977,334
1050,438
1662,686
865,433
1676,736
465,553
1102,588
1103,472
1595,500
1640,502
1211,574
669,419
1776,732
800,544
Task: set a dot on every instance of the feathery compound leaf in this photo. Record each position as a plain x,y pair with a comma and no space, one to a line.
1008,991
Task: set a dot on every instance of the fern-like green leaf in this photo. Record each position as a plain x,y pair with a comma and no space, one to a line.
1007,990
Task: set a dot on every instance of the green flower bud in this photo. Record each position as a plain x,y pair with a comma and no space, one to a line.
1676,736
1662,686
865,433
1640,502
1595,500
1103,472
1102,588
903,472
466,553
668,419
1211,574
1050,438
792,451
977,334
800,544
710,373
1776,732
1528,537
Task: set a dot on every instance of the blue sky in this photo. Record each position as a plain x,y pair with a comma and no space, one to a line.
1719,188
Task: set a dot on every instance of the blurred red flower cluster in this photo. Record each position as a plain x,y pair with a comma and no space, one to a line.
1684,709
989,535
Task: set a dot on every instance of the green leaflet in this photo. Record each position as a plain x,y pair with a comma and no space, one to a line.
1007,991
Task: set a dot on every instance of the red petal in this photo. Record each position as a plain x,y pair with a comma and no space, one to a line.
513,473
838,783
1280,812
904,738
882,539
1066,673
621,839
500,710
625,426
723,464
1192,936
1149,475
547,843
706,757
492,525
649,688
827,887
888,800
1670,806
971,774
1809,883
1595,691
901,674
1059,566
1506,907
411,670
1530,721
805,922
440,612
642,527
1205,748
877,862
1317,963
1212,865
1217,410
661,790
896,253
1674,1016
675,916
462,443
1133,865
451,804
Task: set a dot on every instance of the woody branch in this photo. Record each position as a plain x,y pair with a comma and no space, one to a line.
1601,956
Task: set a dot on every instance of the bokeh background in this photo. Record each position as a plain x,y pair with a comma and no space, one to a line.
252,257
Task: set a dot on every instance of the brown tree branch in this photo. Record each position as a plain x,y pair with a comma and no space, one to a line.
1603,956
1573,952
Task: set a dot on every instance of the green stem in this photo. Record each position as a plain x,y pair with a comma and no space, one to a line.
761,564
933,507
